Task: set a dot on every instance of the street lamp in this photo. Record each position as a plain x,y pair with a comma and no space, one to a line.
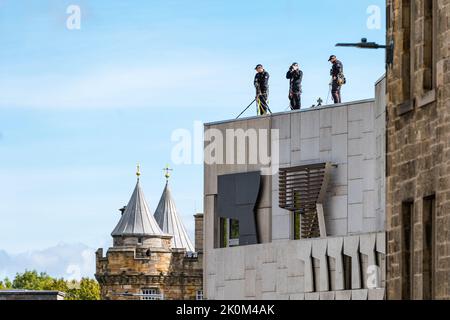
372,45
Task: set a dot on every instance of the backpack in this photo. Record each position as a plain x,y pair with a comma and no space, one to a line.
341,79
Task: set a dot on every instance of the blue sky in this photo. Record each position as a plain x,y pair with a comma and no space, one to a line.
79,108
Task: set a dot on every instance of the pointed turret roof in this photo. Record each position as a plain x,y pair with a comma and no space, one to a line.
137,219
166,215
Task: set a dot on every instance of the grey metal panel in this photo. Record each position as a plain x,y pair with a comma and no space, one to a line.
236,199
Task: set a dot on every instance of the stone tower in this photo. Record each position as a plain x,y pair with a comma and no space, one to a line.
145,262
418,150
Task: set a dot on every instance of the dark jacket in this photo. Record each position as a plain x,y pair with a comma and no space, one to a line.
336,69
295,76
262,82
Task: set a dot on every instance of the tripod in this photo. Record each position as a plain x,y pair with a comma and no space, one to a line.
246,109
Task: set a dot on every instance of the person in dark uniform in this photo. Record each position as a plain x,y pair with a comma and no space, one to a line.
295,75
262,89
337,70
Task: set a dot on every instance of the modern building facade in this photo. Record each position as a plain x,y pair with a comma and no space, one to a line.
152,257
295,204
418,150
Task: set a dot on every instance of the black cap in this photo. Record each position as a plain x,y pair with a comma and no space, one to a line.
331,57
259,65
295,64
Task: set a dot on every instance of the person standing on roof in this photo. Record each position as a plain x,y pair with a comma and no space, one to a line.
338,79
295,75
262,89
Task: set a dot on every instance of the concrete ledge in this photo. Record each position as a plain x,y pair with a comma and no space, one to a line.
329,106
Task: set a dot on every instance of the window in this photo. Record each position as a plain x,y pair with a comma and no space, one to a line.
237,198
233,232
230,232
151,294
407,249
428,43
223,232
406,56
347,262
199,295
297,216
428,219
139,240
302,190
297,229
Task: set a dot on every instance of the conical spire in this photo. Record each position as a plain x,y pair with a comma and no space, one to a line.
169,221
137,219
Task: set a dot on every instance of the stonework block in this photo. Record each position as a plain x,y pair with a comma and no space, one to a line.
355,167
325,118
339,148
250,283
355,218
269,278
281,228
360,294
312,296
310,149
325,139
310,125
334,250
355,130
343,295
282,123
377,294
330,295
298,296
355,191
339,122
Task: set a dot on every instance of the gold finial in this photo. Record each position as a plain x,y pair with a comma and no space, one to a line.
167,170
138,170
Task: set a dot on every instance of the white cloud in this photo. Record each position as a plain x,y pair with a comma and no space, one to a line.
70,261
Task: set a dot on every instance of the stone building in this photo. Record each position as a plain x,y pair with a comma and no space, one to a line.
296,201
152,257
418,150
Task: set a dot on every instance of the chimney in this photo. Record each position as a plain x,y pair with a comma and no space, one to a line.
198,232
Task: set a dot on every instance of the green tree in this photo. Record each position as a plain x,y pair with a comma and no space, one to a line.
86,289
5,284
31,280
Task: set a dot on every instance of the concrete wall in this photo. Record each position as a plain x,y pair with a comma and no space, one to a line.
351,136
297,270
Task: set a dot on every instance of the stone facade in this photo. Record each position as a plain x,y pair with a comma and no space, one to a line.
418,150
130,270
145,262
199,232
